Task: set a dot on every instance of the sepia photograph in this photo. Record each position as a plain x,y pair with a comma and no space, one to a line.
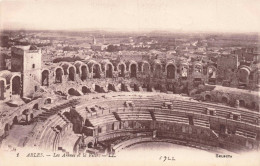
129,82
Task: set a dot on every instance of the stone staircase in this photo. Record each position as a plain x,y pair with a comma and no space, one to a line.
46,114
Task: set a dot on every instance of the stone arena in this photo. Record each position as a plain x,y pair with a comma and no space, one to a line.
105,105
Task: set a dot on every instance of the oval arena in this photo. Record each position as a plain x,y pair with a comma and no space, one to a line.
104,106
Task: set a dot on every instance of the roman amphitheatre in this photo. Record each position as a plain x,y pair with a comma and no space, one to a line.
104,106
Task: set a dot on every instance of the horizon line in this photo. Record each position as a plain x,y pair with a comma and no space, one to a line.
117,30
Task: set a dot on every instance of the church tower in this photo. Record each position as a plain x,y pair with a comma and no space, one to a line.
94,41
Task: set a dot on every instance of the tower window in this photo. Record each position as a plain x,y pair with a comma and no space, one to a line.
33,66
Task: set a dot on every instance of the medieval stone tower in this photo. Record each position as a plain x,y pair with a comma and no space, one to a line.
27,61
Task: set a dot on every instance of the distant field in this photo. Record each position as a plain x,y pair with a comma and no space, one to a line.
233,43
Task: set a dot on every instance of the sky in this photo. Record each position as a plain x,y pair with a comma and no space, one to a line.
132,15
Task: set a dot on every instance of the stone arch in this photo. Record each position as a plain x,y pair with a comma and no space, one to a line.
121,67
184,71
59,128
170,87
225,100
198,67
242,103
15,120
121,86
144,87
47,101
72,73
78,64
84,72
97,88
145,67
133,69
58,75
7,127
111,87
25,112
90,145
45,78
243,75
73,92
158,87
36,106
147,87
96,70
211,74
171,71
16,85
2,88
65,66
136,87
85,89
109,68
157,70
208,97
